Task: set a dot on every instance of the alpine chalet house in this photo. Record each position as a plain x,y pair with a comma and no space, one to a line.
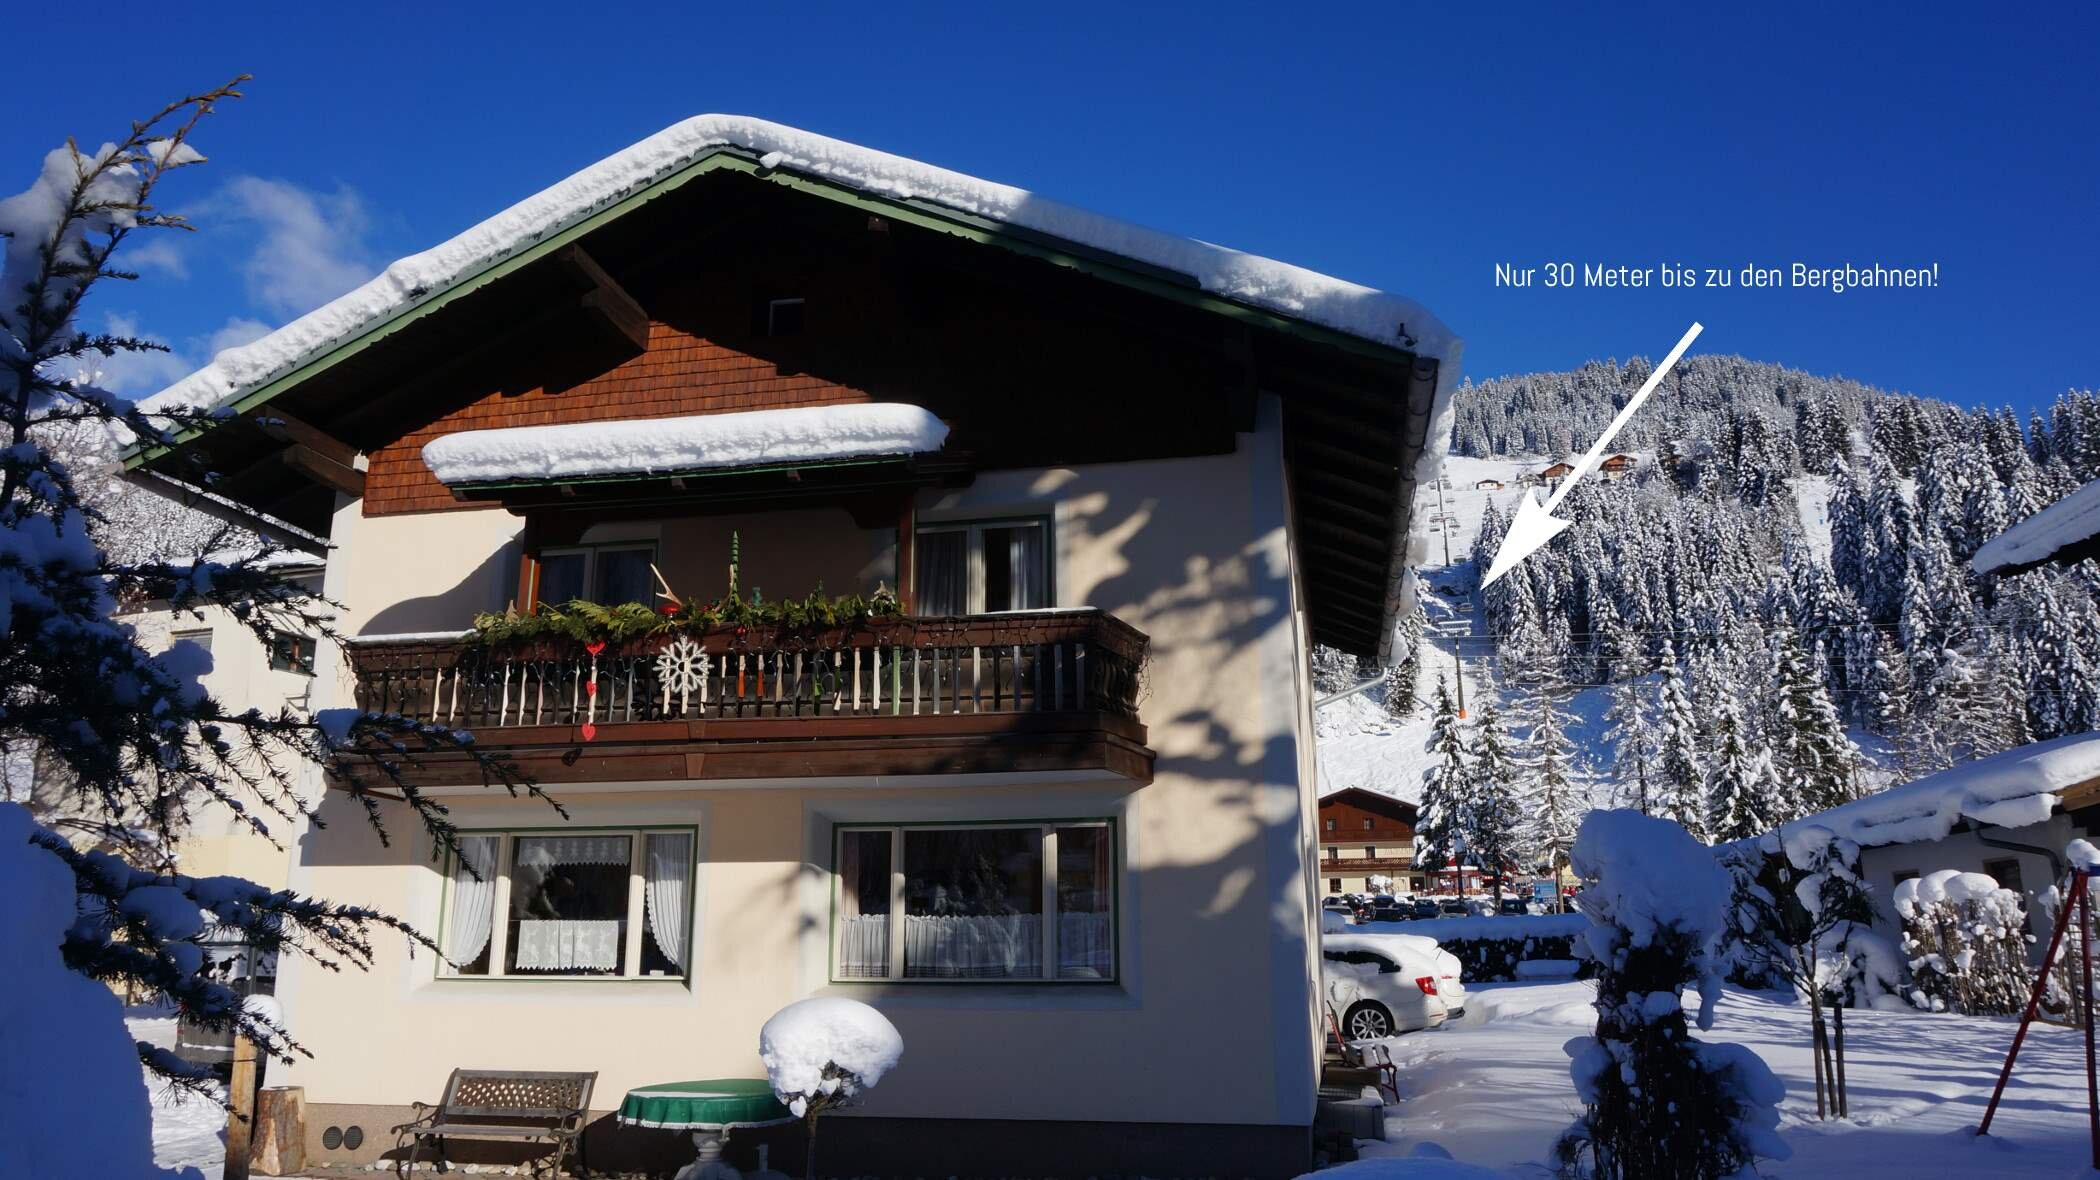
1366,835
949,560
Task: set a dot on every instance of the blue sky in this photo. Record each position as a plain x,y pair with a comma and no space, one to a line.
1407,147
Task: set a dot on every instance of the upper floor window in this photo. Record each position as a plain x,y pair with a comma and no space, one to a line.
784,317
588,903
201,637
975,567
289,652
610,574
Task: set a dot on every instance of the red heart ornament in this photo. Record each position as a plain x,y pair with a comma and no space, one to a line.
595,646
591,689
590,732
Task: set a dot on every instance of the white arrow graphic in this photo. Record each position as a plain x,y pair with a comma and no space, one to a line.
1535,523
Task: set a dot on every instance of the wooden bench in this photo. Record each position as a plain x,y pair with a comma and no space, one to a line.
520,1106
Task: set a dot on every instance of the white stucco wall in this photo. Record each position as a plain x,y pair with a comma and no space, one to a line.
1213,1018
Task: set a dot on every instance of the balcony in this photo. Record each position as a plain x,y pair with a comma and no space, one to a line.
1052,691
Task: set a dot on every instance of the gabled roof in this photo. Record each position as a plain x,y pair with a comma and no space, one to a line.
671,156
1374,801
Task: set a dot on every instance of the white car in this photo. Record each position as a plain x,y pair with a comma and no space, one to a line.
1383,984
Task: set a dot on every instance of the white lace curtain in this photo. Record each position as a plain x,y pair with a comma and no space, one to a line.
987,946
542,852
564,944
666,890
473,910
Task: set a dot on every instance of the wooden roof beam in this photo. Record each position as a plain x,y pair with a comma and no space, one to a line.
615,314
277,424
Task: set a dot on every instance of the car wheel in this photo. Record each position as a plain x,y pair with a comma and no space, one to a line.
1366,1021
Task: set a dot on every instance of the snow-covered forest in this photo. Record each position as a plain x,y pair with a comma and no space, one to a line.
1777,609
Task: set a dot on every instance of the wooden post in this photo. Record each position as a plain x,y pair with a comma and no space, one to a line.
2083,884
240,1094
908,552
279,1141
2034,998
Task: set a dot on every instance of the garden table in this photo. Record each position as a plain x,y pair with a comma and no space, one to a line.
710,1109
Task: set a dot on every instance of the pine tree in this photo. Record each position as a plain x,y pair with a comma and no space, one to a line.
1741,789
1495,817
1817,764
1443,813
1554,798
1631,733
1680,780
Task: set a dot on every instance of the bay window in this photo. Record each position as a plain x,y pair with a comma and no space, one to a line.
611,904
994,902
979,567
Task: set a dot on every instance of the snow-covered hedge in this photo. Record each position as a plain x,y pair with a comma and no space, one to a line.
1492,950
1965,939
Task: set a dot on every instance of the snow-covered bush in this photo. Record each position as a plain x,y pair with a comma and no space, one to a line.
1491,950
822,1053
1658,1102
1965,940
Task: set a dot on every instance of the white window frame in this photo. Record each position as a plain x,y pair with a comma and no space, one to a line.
201,636
1047,828
589,554
637,872
973,594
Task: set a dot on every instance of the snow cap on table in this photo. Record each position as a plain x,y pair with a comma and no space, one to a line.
2011,790
805,434
1246,278
2067,522
807,1036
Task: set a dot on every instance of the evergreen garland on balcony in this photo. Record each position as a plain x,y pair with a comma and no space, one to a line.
591,622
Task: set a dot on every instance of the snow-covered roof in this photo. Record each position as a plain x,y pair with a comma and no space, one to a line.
805,434
2012,789
1278,287
2070,521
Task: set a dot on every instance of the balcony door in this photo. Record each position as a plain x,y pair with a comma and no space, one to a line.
981,567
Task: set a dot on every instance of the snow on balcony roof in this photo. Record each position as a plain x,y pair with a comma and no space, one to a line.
640,446
1247,278
2010,790
2069,521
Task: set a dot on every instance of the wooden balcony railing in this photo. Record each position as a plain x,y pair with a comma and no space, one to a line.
1365,864
1021,662
1028,691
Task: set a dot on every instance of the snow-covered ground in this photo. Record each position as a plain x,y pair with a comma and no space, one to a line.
1493,1088
187,1132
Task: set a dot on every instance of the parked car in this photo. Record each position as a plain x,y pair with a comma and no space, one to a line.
1383,984
1453,907
1515,905
1388,908
1426,907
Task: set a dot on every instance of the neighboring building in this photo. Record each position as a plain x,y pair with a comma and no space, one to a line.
2065,533
246,673
1618,467
1489,485
1365,834
1050,822
2008,816
1552,476
1528,479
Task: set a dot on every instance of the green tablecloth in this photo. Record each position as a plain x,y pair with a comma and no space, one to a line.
688,1106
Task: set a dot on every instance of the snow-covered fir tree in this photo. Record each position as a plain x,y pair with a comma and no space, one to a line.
1443,812
1742,792
1495,815
1680,781
1555,797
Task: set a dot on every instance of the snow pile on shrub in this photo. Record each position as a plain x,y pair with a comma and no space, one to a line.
1492,950
2011,790
806,434
1659,1103
1510,927
827,1047
72,1101
1965,938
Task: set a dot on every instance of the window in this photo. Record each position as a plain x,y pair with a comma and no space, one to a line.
953,903
606,574
291,652
1334,884
1903,875
784,317
967,569
1334,854
1367,825
1370,852
201,637
1330,825
605,904
2005,872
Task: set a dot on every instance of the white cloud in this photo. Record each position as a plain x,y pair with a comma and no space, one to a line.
135,374
311,247
158,254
